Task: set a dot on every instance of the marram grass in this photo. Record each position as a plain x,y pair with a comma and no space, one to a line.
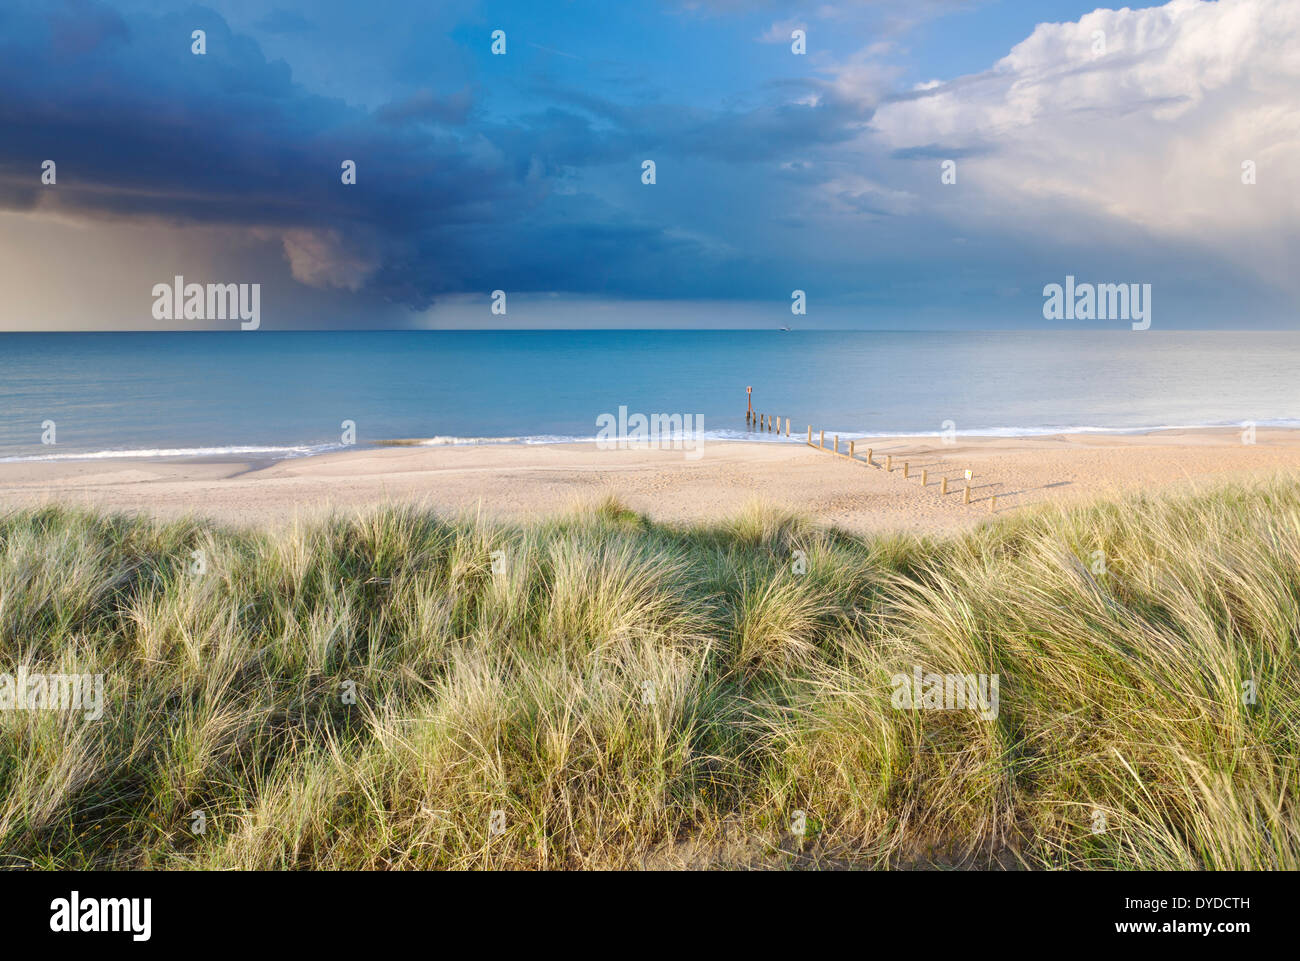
598,691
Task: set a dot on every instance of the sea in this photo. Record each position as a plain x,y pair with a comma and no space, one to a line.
292,394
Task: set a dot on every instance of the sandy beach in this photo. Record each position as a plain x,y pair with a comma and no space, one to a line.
518,481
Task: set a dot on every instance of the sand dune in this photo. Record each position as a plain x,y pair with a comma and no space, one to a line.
514,481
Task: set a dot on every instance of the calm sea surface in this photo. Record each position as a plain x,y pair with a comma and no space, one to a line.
286,394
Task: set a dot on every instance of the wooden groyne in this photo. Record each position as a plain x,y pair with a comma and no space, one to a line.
887,465
765,423
768,424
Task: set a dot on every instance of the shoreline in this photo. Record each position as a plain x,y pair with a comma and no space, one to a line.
523,481
271,454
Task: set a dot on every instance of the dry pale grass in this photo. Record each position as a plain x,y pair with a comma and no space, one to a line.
598,691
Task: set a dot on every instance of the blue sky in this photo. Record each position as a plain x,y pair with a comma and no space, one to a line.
775,171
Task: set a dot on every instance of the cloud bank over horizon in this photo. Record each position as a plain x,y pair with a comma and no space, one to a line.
1111,145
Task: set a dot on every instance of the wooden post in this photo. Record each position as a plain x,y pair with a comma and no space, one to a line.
993,503
925,478
905,466
851,457
810,435
868,455
966,499
787,427
889,463
943,486
821,440
837,443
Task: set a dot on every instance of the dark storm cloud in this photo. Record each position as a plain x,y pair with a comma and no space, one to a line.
143,128
446,201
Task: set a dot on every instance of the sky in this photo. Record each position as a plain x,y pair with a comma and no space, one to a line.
1107,145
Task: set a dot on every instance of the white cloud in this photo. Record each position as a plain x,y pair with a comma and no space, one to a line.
853,193
862,80
1151,133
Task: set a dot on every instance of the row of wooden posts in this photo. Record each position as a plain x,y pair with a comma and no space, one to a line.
766,422
889,464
